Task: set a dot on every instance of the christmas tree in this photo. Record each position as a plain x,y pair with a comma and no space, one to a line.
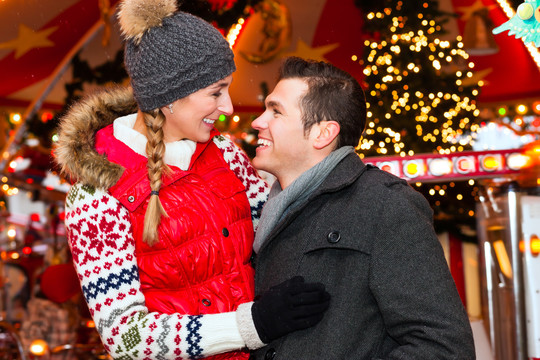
419,85
421,95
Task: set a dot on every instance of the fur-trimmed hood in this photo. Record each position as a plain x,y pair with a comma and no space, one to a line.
75,152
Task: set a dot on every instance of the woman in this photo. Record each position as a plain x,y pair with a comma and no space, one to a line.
160,221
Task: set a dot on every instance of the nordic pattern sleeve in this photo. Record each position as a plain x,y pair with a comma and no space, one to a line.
256,188
101,241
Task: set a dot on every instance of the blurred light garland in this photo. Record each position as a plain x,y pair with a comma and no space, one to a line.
400,66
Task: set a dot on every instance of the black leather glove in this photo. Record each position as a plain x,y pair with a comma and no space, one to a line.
287,307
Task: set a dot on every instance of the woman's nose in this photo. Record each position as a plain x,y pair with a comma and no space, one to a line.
226,106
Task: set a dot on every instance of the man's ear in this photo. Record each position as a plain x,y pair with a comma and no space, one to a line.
328,132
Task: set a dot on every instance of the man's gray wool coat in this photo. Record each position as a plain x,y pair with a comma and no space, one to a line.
369,238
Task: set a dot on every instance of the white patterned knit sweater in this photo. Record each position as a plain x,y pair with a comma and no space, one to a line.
103,248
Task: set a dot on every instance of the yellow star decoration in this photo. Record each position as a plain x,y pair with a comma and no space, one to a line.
29,39
307,52
468,11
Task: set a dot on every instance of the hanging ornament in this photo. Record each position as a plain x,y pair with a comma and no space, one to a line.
477,37
276,31
524,24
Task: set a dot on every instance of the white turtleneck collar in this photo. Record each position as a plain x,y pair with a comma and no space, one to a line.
177,153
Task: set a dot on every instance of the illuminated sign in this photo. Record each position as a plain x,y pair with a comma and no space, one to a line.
455,166
465,164
491,162
413,168
390,166
440,166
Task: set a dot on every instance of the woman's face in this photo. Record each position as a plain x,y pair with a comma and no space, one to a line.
193,117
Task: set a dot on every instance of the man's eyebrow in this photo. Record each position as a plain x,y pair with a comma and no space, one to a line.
273,104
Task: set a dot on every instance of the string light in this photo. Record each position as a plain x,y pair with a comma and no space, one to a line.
235,31
15,118
441,118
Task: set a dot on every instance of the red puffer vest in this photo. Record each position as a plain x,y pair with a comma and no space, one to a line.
201,265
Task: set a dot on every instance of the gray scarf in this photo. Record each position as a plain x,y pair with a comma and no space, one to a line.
282,201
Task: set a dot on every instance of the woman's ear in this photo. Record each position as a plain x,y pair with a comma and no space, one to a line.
328,132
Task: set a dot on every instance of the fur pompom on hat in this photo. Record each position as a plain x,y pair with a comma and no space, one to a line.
170,54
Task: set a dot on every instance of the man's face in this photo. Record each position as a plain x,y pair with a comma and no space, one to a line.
283,149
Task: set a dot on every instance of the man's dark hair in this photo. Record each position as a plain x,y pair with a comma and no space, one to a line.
333,94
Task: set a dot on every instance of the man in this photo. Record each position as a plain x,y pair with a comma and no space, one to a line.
363,233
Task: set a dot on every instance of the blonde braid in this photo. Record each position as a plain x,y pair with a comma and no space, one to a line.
155,151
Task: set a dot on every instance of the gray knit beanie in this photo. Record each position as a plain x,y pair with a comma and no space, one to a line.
170,54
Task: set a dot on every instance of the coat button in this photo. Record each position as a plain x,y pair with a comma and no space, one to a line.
333,237
131,198
270,354
206,302
225,232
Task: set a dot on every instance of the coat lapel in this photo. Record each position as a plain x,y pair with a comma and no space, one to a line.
344,174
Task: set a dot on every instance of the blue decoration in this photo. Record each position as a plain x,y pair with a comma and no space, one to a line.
194,337
525,24
126,276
